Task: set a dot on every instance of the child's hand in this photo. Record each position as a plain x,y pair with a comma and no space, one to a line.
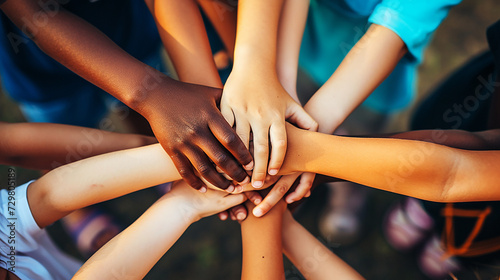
195,205
259,104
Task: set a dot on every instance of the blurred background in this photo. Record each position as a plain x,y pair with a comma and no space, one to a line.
211,249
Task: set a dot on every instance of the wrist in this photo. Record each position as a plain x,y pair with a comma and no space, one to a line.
153,86
184,208
250,58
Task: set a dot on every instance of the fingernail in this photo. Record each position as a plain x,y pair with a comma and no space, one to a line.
230,189
257,212
246,181
240,216
249,166
203,189
273,171
290,200
256,201
257,184
239,189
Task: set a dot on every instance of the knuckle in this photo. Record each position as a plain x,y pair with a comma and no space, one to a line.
314,126
306,183
204,169
184,172
259,174
229,139
266,206
221,159
279,144
281,189
260,147
194,131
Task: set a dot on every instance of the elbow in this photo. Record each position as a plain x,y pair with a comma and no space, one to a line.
449,180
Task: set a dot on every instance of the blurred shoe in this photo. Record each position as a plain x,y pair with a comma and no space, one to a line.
432,262
341,221
163,188
407,224
90,229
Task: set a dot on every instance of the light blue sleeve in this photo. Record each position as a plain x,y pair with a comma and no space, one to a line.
414,21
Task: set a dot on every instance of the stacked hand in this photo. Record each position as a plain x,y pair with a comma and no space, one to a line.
255,102
191,129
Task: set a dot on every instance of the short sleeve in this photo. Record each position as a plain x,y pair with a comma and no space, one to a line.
414,21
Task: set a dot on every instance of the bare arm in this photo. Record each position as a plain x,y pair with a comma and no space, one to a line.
168,105
481,140
291,28
222,15
253,97
261,238
130,255
371,60
183,34
415,168
301,248
98,179
46,146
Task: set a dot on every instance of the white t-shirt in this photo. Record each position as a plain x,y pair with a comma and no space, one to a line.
25,249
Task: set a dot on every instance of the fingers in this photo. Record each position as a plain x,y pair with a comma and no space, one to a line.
234,200
225,162
277,135
243,130
303,189
261,154
206,168
275,195
186,171
254,197
223,215
227,113
298,116
239,212
230,140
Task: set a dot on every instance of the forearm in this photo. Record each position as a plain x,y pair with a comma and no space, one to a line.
47,146
132,253
184,36
414,168
291,27
256,37
482,140
222,15
364,68
98,179
87,51
301,248
262,252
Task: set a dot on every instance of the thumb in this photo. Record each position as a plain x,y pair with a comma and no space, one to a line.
228,114
297,115
232,200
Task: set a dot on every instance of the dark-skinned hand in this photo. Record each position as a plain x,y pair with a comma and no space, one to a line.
189,126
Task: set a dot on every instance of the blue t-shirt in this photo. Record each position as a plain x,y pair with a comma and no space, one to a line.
29,75
334,26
